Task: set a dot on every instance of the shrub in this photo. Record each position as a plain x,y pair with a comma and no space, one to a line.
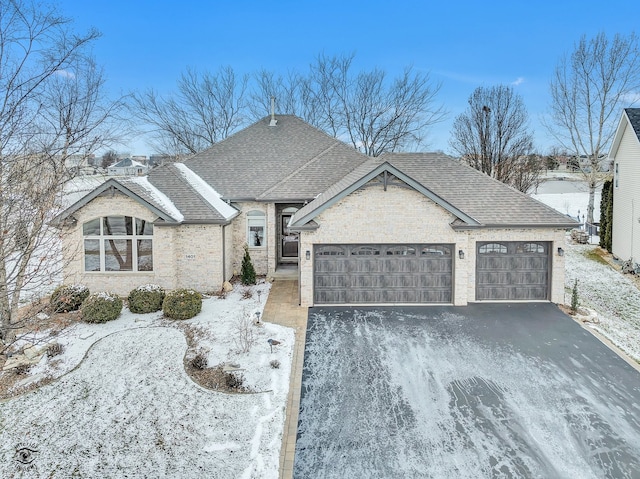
101,307
234,380
67,298
199,361
146,299
182,304
574,297
248,271
55,349
275,364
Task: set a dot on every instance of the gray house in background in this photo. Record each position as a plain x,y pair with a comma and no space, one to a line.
400,229
625,155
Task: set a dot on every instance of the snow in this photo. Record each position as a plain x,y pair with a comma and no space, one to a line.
159,197
206,191
124,406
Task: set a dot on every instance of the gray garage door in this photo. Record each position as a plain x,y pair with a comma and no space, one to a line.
383,273
513,270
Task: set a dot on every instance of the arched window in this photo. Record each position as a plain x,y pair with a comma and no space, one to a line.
256,227
493,248
118,243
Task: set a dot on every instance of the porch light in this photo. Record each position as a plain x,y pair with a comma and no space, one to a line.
307,254
560,252
460,254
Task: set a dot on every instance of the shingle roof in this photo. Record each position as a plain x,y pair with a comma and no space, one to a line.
634,118
290,161
478,199
191,203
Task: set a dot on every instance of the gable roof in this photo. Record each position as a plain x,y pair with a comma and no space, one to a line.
127,163
630,117
177,196
289,161
475,199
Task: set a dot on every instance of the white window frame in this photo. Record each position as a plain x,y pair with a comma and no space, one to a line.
102,238
256,219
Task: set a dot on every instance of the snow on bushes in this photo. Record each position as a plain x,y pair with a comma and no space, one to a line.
182,304
101,307
146,299
67,298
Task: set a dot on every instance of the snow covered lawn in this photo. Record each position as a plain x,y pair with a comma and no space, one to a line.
129,409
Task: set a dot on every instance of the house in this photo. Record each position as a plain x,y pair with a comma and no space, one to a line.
625,155
127,166
402,228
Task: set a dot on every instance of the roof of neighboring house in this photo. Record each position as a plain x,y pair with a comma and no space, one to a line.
128,163
631,117
634,119
475,199
289,161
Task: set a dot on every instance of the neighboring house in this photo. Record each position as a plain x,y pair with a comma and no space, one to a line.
402,228
625,155
128,167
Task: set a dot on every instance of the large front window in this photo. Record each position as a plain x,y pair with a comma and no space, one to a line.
256,226
118,243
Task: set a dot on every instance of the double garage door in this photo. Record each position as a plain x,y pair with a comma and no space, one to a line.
383,273
423,273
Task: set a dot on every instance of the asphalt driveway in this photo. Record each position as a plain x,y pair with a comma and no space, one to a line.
486,390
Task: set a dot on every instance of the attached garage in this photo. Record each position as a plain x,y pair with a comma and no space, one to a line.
383,273
513,270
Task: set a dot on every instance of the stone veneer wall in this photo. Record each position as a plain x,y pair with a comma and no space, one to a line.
403,215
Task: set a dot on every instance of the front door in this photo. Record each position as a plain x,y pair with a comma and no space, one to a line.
289,240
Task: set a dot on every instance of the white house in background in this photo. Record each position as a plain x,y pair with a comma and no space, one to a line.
625,155
128,167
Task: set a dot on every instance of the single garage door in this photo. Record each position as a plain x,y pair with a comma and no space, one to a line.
383,273
513,270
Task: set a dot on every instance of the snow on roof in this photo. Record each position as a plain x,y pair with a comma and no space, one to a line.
206,191
127,163
163,200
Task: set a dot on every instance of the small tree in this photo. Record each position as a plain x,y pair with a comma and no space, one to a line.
574,297
248,271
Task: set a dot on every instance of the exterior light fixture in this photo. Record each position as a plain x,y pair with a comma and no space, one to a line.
461,254
257,317
307,254
560,252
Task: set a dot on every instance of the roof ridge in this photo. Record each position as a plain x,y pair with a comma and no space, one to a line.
300,168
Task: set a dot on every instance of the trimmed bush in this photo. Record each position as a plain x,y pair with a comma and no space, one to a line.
67,298
146,299
182,304
101,307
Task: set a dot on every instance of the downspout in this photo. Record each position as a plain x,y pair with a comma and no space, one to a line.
224,253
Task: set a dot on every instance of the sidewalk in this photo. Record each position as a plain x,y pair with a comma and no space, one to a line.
282,308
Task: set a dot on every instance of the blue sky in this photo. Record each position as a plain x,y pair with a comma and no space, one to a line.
462,44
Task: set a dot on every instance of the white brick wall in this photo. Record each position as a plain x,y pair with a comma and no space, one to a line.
403,215
183,256
263,257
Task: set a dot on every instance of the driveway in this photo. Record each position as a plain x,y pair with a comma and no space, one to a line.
486,390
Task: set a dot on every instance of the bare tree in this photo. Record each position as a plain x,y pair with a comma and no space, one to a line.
375,114
587,91
492,136
51,110
207,108
109,158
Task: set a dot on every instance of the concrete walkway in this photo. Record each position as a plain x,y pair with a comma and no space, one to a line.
282,308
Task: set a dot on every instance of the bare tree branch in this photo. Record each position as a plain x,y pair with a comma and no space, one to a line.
587,91
492,136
